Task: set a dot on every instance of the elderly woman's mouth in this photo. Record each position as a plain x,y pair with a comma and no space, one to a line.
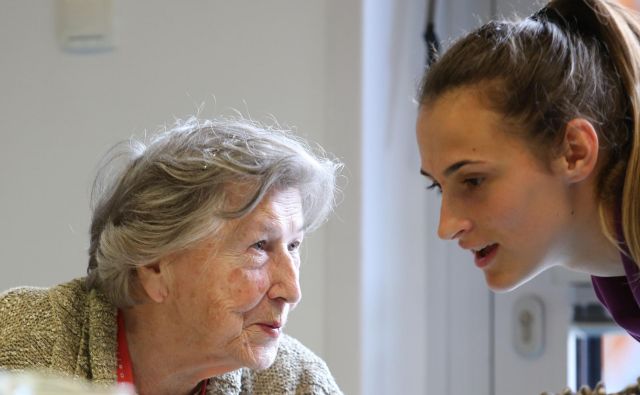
273,329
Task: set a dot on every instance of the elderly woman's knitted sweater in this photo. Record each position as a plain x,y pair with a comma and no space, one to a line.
71,331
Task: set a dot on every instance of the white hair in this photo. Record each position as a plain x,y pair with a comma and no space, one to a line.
153,199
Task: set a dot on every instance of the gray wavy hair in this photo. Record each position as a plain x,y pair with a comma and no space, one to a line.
152,199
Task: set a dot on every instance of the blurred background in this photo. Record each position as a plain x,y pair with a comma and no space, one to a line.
392,309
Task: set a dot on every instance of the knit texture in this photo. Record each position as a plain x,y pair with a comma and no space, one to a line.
71,331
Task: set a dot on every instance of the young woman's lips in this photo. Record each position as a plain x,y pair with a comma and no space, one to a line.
485,256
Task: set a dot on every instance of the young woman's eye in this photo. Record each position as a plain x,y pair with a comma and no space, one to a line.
294,246
436,186
260,246
473,181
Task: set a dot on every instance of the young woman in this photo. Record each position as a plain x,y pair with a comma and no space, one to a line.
530,130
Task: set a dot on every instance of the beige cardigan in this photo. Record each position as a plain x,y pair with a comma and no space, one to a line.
69,330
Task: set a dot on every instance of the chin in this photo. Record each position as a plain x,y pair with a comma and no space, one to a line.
262,358
503,284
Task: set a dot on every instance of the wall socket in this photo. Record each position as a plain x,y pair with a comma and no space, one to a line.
528,326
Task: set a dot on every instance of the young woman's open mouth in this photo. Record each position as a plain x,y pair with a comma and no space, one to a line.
484,256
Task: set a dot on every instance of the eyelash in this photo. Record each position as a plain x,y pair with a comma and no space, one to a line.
436,186
471,183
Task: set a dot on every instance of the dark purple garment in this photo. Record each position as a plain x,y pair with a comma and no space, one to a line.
621,296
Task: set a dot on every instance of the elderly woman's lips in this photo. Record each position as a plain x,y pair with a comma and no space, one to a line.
271,329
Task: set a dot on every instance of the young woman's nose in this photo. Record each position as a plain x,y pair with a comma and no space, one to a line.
285,277
452,225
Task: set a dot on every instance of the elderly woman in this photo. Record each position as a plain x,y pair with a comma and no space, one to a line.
193,268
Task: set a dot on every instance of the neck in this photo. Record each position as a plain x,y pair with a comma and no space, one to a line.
589,250
162,360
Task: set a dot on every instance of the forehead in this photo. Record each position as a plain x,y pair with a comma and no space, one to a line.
458,126
455,117
279,208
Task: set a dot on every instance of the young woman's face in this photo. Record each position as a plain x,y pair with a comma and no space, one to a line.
505,206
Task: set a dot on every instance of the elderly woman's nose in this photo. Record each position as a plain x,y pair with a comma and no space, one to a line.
453,224
285,282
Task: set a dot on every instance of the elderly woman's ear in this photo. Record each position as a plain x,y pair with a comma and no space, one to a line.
153,280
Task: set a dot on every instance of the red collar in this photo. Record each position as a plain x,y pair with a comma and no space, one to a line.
125,372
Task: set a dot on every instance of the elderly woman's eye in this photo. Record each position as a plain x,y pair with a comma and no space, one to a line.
294,246
261,245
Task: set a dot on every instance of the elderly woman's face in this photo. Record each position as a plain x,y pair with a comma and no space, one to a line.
231,293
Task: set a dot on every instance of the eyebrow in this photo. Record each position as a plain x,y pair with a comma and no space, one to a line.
269,228
451,169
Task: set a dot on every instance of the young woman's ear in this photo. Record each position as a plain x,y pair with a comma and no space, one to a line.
153,279
579,153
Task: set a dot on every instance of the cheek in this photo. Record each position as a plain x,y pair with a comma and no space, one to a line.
528,215
506,215
247,287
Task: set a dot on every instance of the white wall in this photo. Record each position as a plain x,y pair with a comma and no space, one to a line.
343,129
394,270
547,371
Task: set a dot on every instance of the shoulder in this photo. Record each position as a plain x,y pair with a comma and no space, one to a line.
296,370
21,298
25,322
68,300
30,320
34,304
